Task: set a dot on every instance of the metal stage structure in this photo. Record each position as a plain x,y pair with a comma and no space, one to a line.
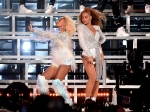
17,57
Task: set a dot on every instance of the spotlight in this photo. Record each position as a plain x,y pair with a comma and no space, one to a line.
124,42
31,94
26,46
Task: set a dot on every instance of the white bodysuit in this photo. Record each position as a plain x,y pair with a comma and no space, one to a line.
90,44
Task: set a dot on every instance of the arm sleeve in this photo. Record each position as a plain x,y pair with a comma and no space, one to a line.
81,36
69,43
102,37
43,35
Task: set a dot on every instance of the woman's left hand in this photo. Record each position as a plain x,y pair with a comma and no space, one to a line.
72,70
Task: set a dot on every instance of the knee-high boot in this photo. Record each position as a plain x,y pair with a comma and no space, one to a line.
42,85
101,5
62,91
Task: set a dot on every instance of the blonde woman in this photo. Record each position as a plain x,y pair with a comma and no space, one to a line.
63,59
91,38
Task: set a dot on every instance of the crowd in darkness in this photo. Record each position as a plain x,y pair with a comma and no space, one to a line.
46,103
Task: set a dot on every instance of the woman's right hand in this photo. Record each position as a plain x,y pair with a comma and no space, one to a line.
90,60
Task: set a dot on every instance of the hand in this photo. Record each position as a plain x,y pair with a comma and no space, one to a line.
72,70
30,27
90,60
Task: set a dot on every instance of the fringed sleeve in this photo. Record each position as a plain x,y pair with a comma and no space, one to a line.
82,41
43,35
69,44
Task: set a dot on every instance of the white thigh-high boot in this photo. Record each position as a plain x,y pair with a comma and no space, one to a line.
42,85
60,89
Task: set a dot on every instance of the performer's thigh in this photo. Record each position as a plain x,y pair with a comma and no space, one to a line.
50,72
90,69
62,71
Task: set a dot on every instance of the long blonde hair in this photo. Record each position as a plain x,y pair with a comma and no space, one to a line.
70,27
97,17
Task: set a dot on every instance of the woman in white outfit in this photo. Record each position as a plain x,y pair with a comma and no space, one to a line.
63,59
91,38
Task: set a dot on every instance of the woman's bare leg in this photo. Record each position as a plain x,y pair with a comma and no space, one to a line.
96,85
50,72
62,72
95,89
90,69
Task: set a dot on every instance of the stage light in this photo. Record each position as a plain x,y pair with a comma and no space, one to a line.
26,46
31,94
8,94
38,94
107,94
124,42
2,66
79,94
21,94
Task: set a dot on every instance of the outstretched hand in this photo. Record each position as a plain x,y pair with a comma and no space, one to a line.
30,27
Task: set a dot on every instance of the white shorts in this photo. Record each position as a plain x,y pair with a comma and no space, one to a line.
92,52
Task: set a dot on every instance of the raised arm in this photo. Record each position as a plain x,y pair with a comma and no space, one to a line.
42,35
45,35
82,41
